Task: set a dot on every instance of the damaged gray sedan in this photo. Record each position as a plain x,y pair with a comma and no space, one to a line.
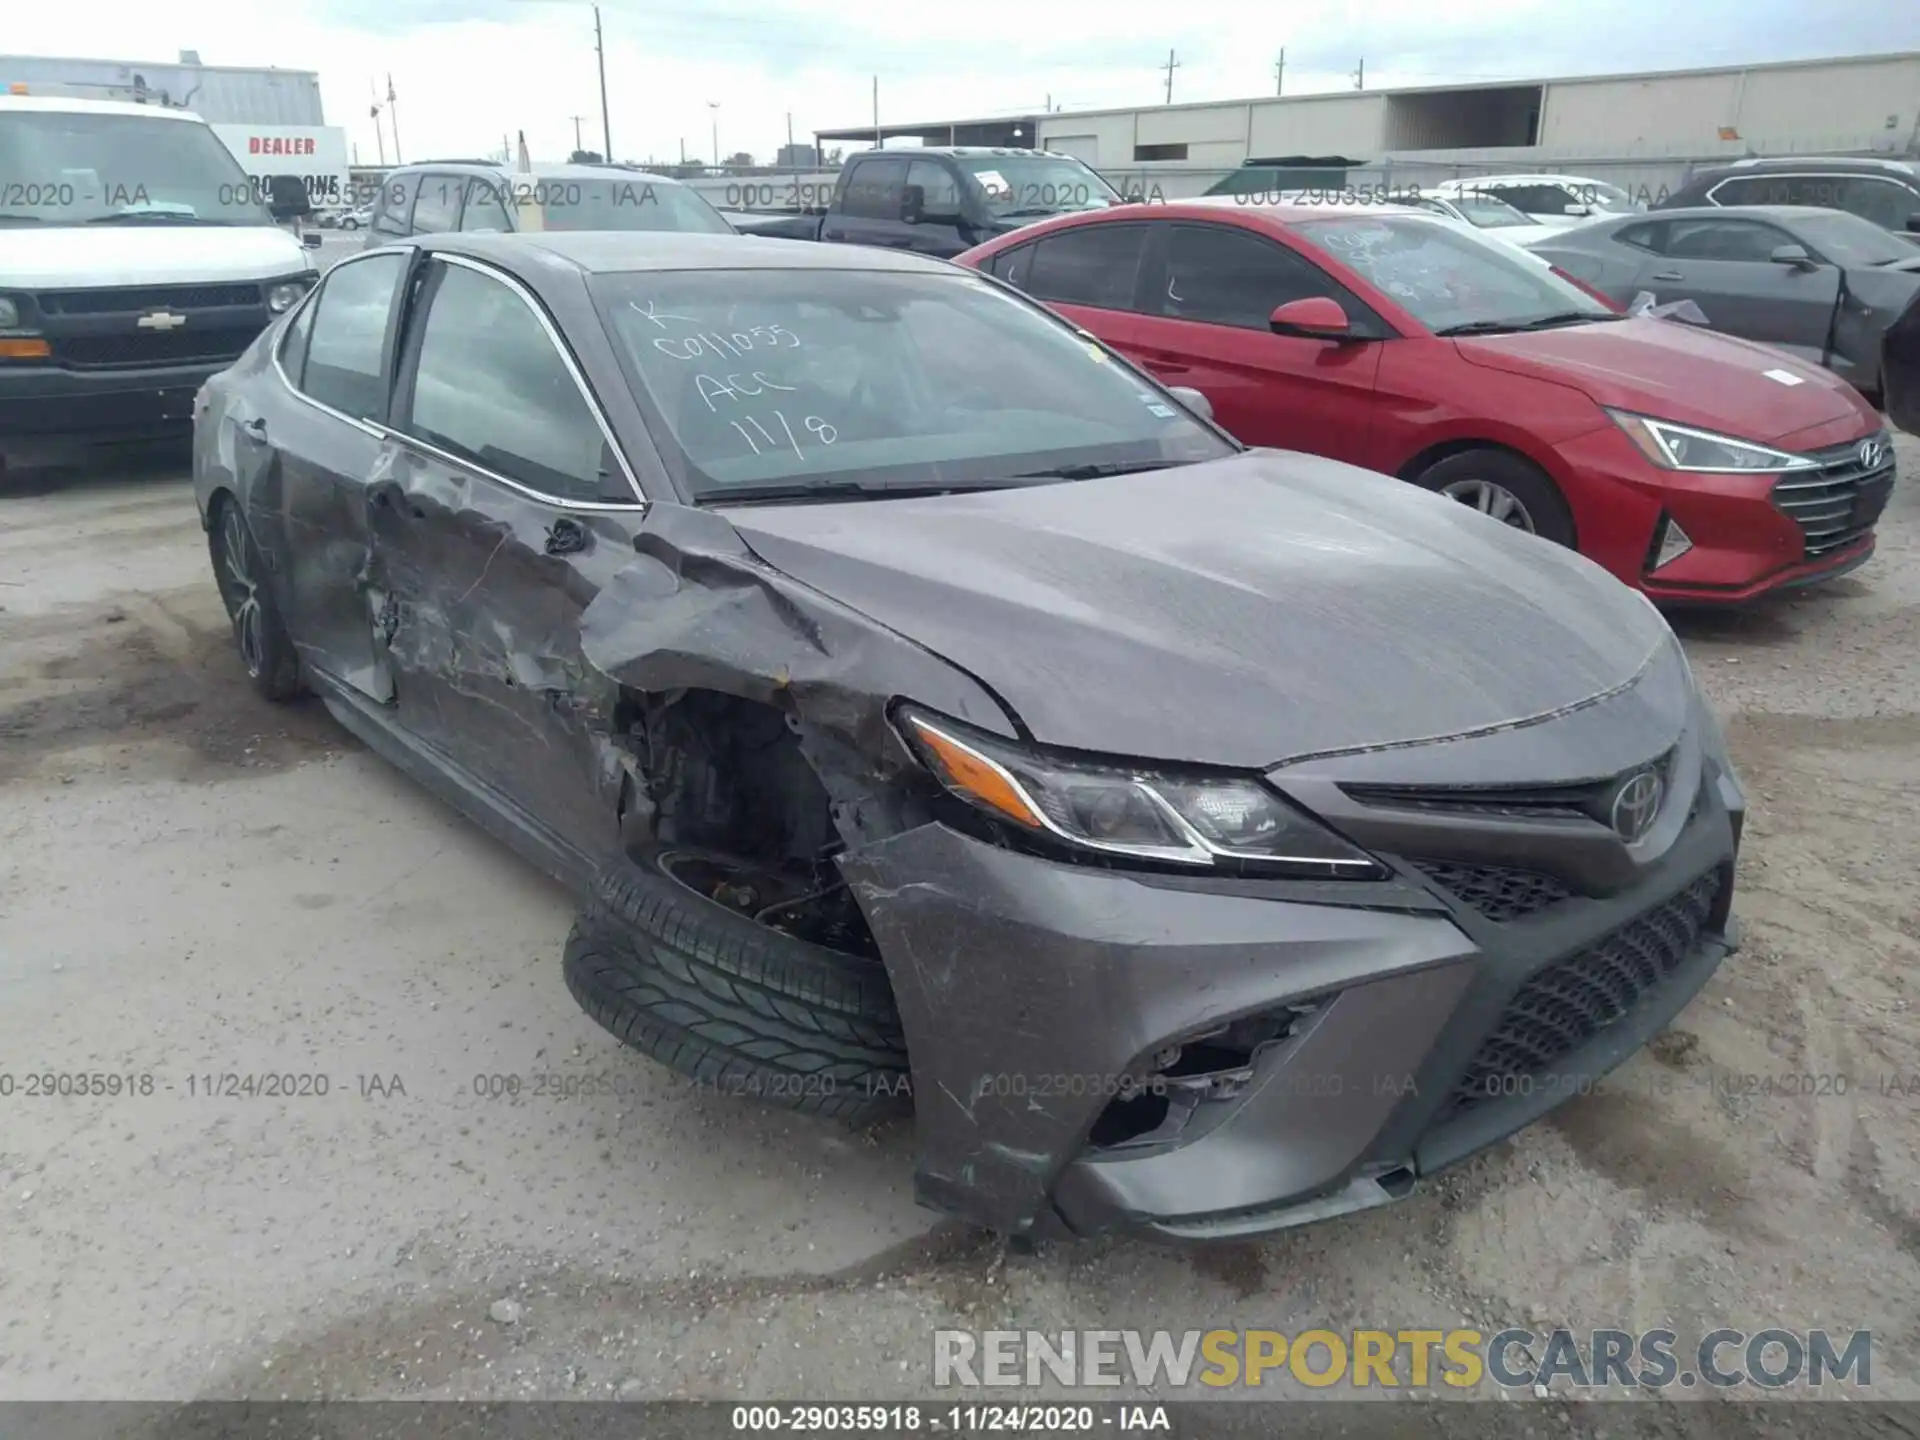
932,711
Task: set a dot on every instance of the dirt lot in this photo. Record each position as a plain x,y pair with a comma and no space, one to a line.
194,884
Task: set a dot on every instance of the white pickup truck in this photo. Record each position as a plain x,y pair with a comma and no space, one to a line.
137,258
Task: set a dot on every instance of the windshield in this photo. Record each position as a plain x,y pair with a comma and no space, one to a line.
1447,277
1851,241
1603,196
810,377
1036,184
614,203
72,167
1489,213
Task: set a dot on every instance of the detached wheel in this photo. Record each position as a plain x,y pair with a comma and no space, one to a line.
1503,486
707,990
258,632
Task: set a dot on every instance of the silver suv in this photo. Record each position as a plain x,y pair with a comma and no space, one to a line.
438,196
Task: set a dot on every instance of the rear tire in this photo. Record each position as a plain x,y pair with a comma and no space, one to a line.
746,1009
273,667
1505,487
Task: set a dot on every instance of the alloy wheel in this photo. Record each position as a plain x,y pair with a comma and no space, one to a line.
1495,501
241,590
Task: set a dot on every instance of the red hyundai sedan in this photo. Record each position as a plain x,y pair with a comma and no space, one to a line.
1693,465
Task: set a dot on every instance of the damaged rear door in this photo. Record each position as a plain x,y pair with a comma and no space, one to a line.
506,508
325,443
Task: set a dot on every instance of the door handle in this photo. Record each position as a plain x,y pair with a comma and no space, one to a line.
566,536
1669,275
256,427
1167,367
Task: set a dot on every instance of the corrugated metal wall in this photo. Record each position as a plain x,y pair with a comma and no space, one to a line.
223,96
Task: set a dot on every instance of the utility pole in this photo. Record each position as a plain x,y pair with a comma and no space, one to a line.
1280,72
1360,75
393,119
876,112
600,53
714,106
1171,66
373,109
578,143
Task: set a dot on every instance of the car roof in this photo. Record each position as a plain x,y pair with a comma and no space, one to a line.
496,169
1863,164
611,252
958,151
1776,213
75,105
1539,177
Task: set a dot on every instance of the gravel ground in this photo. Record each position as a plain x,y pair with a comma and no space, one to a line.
195,884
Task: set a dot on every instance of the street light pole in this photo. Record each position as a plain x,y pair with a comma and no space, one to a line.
600,53
714,106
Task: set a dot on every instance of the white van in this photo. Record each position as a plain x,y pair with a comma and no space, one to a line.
136,259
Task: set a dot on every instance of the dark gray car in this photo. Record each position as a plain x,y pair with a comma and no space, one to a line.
932,712
1822,284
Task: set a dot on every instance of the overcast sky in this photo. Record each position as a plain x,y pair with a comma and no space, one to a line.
468,71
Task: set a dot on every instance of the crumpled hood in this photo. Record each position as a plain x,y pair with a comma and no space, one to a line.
60,257
1674,371
1246,611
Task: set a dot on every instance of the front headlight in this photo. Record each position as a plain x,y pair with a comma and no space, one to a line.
9,314
1142,811
1681,447
284,296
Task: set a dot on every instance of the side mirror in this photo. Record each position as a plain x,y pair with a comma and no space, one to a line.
287,198
913,203
1193,400
312,240
1577,210
1315,318
1794,255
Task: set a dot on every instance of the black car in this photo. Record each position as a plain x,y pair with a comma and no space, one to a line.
482,197
1887,192
932,710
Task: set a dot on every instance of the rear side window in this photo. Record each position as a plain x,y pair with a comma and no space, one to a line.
875,189
940,189
293,344
1012,265
486,209
1224,276
347,344
437,210
394,211
1096,265
1644,237
491,386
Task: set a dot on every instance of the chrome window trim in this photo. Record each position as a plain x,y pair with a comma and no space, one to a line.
386,432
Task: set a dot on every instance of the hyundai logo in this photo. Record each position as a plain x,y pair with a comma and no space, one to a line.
1872,452
160,320
1636,804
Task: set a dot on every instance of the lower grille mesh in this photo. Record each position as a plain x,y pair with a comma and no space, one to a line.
1571,1001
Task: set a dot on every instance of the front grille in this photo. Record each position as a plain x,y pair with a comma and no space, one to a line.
173,347
1577,800
1841,501
131,299
1572,1000
1497,892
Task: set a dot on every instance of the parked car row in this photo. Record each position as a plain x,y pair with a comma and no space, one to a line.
926,702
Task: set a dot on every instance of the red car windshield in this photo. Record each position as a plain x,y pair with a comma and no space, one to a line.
1449,279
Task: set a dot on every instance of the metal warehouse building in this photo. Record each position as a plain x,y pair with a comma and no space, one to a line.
1637,130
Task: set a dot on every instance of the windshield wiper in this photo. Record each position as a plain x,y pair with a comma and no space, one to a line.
1099,471
1510,327
848,489
23,219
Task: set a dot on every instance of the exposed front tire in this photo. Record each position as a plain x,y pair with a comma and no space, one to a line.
259,634
734,1004
1504,487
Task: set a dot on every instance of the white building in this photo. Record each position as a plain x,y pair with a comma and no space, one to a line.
271,119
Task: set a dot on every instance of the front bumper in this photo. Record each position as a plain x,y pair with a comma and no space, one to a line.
42,403
1033,992
1745,544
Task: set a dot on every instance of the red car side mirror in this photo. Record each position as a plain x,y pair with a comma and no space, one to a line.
1314,318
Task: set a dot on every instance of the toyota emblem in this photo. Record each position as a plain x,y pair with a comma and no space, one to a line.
1872,452
1636,804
